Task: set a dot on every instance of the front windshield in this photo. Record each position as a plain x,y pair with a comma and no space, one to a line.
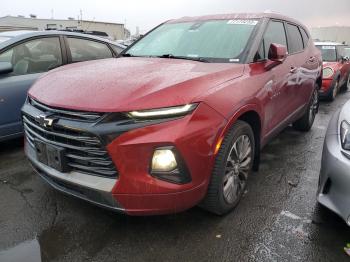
3,39
214,40
329,53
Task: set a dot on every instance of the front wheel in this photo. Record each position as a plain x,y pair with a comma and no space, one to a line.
232,168
305,123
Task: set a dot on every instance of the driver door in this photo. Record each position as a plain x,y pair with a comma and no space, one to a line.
277,80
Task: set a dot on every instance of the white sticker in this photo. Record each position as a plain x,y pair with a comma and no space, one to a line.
242,22
329,47
234,60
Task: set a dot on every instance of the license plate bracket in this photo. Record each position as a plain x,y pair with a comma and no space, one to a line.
52,156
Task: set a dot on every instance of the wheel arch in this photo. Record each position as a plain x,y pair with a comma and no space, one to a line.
251,114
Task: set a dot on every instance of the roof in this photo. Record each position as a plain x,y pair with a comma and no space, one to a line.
11,34
59,20
16,36
329,43
236,16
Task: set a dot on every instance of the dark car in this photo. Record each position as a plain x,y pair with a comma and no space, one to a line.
179,119
336,69
26,55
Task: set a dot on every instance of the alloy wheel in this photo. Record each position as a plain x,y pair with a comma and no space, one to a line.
237,169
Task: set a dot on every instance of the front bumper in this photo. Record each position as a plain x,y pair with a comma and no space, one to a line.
327,87
334,183
96,190
135,191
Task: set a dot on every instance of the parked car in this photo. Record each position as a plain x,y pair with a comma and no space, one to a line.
180,119
334,183
26,55
336,71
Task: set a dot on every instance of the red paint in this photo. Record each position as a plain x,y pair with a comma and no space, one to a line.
341,71
225,92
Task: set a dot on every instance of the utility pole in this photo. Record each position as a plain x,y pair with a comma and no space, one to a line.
124,31
81,18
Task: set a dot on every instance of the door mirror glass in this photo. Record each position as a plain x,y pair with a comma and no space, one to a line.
5,68
277,53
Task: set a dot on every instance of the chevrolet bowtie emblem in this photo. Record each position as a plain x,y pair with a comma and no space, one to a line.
44,120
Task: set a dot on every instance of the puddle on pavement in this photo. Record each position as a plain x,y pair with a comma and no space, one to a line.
28,251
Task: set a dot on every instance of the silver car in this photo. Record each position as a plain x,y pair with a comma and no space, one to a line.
334,183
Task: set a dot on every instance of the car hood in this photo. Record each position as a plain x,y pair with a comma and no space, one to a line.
117,85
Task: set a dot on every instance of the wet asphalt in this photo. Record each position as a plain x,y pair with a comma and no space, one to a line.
277,220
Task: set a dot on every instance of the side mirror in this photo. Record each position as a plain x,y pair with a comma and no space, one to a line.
344,59
277,53
5,68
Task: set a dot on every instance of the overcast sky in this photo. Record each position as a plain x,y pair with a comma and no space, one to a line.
148,13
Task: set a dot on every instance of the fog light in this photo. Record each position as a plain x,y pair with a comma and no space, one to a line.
163,160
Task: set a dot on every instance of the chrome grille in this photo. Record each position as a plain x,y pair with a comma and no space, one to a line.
84,152
67,114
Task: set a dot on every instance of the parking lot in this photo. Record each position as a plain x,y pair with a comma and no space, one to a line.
277,220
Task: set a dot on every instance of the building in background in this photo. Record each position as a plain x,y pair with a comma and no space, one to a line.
115,31
333,33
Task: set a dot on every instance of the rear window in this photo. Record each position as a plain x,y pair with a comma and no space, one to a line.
329,53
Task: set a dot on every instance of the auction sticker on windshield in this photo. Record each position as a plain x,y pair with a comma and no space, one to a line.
242,22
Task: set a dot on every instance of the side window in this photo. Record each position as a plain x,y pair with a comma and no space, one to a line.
35,56
305,37
295,39
275,34
85,50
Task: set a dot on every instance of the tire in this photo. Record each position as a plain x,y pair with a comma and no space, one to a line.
334,92
305,123
231,172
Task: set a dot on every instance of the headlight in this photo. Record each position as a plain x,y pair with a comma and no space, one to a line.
163,112
328,72
345,135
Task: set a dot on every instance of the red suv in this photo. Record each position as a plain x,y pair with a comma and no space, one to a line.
336,71
179,119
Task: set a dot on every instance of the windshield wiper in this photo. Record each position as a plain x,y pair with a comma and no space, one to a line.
193,58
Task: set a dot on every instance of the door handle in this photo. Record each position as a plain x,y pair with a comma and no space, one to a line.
293,70
312,59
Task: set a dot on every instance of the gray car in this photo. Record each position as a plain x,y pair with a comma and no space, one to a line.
334,184
26,55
